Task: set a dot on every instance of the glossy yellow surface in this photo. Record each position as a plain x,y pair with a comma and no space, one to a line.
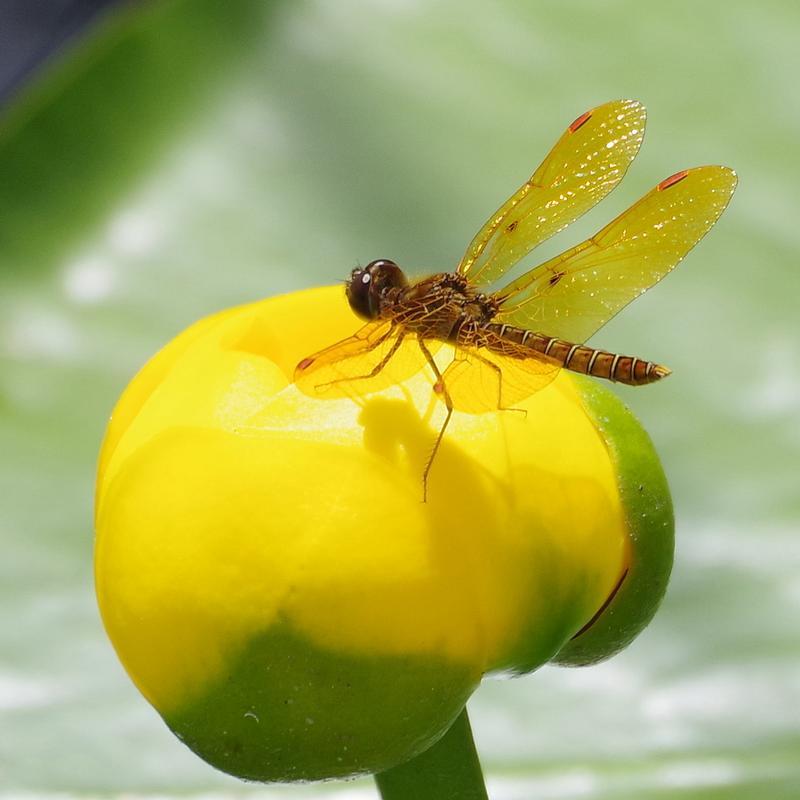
228,502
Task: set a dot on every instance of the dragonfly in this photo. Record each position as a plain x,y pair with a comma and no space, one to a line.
511,342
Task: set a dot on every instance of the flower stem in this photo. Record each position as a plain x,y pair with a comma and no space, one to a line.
450,770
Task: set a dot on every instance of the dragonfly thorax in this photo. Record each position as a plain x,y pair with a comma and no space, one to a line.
367,285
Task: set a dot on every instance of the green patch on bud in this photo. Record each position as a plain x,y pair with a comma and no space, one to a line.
287,710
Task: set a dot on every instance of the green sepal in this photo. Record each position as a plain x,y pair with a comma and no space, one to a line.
648,509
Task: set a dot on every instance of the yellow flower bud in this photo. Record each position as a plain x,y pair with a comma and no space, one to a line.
274,585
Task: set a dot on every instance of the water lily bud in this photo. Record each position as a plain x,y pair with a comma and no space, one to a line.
275,586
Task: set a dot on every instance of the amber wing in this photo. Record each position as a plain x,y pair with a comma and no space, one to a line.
379,355
574,294
495,375
587,162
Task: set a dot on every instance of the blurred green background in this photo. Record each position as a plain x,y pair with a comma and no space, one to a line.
190,155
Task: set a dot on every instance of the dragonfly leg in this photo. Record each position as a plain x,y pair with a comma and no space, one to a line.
377,368
499,372
440,388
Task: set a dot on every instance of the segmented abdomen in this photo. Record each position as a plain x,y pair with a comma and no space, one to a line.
580,358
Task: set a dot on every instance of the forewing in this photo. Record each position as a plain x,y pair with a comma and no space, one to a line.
576,293
587,162
498,377
379,355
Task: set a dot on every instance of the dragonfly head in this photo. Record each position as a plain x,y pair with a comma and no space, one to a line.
368,284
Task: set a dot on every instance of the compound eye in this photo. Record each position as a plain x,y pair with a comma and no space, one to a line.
385,275
381,263
359,290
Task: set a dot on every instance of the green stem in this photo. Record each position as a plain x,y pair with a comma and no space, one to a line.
449,770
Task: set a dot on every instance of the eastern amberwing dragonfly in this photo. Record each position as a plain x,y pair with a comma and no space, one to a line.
511,342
